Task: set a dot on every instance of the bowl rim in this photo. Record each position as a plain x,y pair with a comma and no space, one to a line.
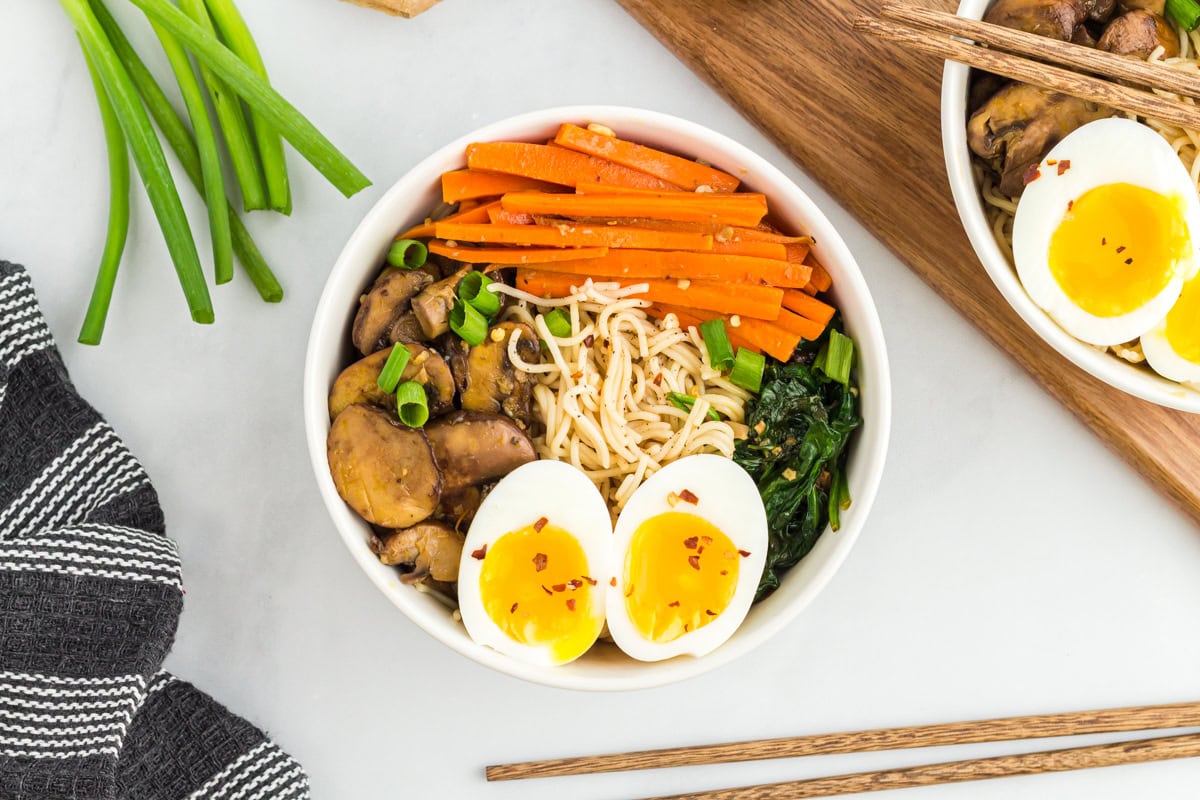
1110,369
870,444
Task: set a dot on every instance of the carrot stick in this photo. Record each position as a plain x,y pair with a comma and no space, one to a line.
556,165
676,265
762,302
808,307
508,255
821,279
798,325
691,318
680,171
749,247
797,251
466,184
426,229
720,232
498,216
763,336
566,235
730,209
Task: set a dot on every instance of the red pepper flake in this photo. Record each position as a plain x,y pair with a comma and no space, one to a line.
686,627
513,609
574,584
629,590
674,604
1064,165
1129,261
539,561
1103,241
710,613
1070,204
547,591
480,553
694,561
571,604
1032,173
541,523
613,581
658,379
744,553
559,587
706,539
1121,249
591,581
687,497
724,572
691,542
700,552
589,340
576,375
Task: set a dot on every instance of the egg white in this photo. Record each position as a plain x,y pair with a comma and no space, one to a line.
1162,356
729,500
566,498
1103,152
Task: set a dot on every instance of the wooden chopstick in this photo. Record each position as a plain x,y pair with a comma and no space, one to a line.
1112,720
976,769
1045,76
1043,48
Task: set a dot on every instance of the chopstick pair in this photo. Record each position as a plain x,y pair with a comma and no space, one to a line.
1138,718
930,31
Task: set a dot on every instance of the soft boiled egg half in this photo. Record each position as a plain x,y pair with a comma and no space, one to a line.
1106,232
542,568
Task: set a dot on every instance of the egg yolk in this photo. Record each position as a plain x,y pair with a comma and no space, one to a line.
535,586
1183,323
1117,247
681,573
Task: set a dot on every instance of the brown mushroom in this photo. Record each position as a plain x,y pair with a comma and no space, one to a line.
1057,19
1100,10
1137,34
383,470
432,306
1016,128
389,297
1153,6
458,509
486,378
406,329
472,448
359,382
431,548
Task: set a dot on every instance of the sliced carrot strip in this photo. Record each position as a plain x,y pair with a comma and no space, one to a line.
567,235
691,318
728,232
730,209
426,229
804,328
762,302
797,251
680,171
556,165
764,337
466,184
512,255
808,307
821,279
498,216
744,247
594,187
676,265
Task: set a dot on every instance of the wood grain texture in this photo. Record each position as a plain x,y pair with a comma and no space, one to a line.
862,117
1075,723
976,769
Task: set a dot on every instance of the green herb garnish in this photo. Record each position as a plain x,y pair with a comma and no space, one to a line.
407,254
685,402
389,376
748,369
411,404
473,289
558,323
716,341
468,323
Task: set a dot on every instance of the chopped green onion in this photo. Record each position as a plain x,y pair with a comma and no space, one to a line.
231,117
685,402
118,214
147,156
259,95
716,340
411,404
1184,13
389,376
175,131
210,156
839,497
407,254
473,289
838,357
558,323
748,368
237,37
468,323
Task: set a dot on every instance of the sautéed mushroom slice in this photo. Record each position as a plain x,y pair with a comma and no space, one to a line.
472,449
385,471
1057,19
1137,34
431,308
389,297
487,380
432,549
358,383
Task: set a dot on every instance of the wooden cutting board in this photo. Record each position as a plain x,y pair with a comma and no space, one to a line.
862,117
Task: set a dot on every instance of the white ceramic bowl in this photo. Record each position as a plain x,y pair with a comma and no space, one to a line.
410,199
1138,381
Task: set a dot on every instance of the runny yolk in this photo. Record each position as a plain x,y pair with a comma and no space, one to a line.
1183,323
681,573
535,586
1117,247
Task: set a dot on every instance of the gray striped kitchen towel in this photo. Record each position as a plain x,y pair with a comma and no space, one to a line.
90,597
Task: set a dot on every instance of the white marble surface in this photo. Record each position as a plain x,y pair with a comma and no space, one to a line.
1012,565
